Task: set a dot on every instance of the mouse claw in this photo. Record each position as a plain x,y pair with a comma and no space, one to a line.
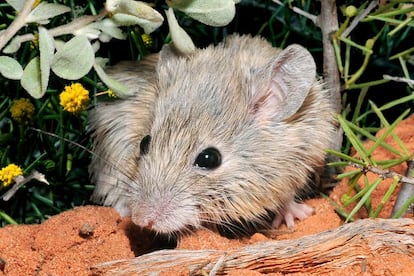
291,211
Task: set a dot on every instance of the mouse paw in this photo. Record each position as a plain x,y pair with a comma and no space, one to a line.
291,211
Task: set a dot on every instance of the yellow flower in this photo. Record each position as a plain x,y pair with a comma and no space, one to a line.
22,111
147,39
7,174
74,98
111,93
34,44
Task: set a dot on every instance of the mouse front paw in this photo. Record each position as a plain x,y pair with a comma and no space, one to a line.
293,210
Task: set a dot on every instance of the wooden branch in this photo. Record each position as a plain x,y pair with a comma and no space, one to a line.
407,183
328,22
399,79
325,252
69,28
359,17
309,16
406,191
383,173
18,23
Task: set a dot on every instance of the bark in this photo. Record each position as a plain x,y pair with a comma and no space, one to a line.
328,22
350,244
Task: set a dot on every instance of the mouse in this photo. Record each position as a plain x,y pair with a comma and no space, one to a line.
226,137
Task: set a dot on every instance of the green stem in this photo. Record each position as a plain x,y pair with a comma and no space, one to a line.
358,73
7,218
62,142
367,84
403,53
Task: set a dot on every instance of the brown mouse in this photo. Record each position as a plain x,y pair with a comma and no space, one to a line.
225,136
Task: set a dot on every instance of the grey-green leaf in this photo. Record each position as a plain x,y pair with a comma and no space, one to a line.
47,49
74,59
10,68
16,4
118,88
181,40
142,14
31,79
109,27
44,11
212,12
13,46
123,19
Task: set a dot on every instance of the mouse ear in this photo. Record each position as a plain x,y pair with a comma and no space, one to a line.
280,88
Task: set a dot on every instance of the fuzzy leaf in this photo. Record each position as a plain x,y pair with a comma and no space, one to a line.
47,49
59,44
213,12
44,11
123,19
128,12
91,31
16,4
108,26
13,46
182,41
74,59
112,5
31,79
10,68
118,88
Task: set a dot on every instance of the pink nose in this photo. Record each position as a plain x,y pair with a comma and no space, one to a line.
149,224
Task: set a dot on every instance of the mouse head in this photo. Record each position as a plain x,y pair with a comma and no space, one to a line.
213,155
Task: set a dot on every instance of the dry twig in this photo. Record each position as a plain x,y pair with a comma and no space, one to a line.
350,244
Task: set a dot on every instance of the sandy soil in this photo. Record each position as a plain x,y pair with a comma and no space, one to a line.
71,242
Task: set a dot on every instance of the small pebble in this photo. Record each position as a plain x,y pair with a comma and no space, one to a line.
86,230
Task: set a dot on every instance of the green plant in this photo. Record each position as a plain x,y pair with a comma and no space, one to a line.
373,46
47,53
360,185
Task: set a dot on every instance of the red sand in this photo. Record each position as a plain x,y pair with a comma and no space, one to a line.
71,242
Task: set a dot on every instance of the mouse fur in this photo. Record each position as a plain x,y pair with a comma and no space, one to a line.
263,109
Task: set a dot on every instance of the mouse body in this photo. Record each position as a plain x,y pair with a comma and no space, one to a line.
225,136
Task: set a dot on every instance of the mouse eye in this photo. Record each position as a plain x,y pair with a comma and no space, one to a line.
143,147
210,158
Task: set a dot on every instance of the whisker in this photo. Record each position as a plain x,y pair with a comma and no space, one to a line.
108,162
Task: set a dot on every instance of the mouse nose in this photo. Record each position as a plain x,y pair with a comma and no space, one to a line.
149,224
